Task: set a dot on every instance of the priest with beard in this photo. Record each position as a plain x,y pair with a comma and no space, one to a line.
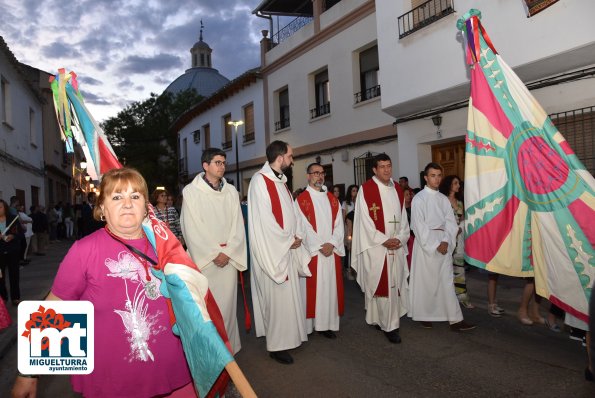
278,258
213,228
320,213
379,249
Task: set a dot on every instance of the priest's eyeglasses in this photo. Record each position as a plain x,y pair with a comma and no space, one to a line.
318,173
219,163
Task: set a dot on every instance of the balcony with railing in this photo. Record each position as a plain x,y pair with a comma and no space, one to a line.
282,124
249,137
367,94
301,9
424,15
226,144
321,110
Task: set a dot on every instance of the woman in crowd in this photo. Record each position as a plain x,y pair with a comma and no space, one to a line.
337,193
68,215
136,352
348,208
167,213
11,237
450,186
349,203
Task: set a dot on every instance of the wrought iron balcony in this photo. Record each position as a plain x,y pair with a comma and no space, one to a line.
226,144
288,30
320,110
367,94
249,137
424,15
281,124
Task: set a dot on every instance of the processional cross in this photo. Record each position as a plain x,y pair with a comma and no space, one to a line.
374,209
394,235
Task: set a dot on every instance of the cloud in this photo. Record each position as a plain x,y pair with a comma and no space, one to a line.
125,49
59,50
88,80
160,62
91,98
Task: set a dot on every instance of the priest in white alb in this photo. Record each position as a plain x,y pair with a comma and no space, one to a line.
213,227
431,286
321,215
278,256
379,249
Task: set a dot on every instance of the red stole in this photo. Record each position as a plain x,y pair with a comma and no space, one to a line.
275,201
307,207
373,199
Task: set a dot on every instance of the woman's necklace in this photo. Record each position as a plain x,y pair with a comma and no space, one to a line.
149,284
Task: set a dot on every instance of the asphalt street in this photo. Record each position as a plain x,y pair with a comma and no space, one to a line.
501,358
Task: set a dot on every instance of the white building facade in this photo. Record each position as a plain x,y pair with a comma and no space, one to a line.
322,91
348,79
552,51
206,126
21,140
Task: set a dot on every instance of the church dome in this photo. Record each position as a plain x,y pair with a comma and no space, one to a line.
201,76
203,79
201,44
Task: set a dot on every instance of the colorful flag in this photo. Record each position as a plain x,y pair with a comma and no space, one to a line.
76,122
529,202
194,314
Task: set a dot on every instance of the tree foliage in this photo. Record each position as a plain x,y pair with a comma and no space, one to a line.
141,139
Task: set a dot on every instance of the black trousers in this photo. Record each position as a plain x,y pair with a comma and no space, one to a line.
9,265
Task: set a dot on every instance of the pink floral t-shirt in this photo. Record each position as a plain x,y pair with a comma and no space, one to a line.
136,353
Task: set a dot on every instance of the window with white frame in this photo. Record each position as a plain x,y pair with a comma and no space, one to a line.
249,123
6,105
227,132
282,109
196,136
321,95
207,132
32,129
368,75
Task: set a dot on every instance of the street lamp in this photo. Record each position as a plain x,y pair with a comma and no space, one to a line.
235,124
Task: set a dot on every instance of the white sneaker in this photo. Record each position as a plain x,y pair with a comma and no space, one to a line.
495,311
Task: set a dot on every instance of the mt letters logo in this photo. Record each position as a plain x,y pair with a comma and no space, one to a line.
56,337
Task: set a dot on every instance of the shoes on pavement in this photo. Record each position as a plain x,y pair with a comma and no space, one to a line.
462,326
282,357
495,311
525,320
329,334
576,334
393,336
552,326
538,319
426,325
467,304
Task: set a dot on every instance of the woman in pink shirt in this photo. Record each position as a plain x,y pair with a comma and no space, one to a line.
136,353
